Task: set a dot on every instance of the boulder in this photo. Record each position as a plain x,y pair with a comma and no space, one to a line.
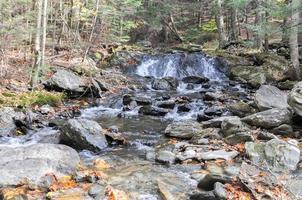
295,98
232,125
35,161
219,191
255,76
64,80
241,109
268,96
239,137
7,120
270,118
165,156
279,155
195,79
183,129
166,83
216,123
83,134
153,110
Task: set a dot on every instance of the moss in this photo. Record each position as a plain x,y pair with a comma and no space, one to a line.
28,99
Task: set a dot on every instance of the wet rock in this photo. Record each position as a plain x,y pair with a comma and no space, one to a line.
200,195
232,125
127,99
164,156
201,117
74,193
216,122
141,100
238,138
213,96
214,111
295,98
268,96
8,117
284,129
241,109
34,161
279,155
219,154
153,111
169,104
183,108
166,83
220,191
270,118
83,134
64,80
195,79
183,129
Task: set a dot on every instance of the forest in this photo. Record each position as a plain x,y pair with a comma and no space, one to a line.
150,99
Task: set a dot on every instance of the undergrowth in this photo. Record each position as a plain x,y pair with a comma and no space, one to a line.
28,99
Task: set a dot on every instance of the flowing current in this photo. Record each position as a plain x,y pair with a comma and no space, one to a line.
180,66
133,165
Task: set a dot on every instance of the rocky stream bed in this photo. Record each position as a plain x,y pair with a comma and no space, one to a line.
181,126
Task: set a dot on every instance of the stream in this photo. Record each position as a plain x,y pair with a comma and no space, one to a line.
174,88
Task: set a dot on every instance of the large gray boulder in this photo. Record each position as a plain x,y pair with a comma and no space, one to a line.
268,96
35,161
83,134
183,129
7,120
277,154
270,118
295,98
66,81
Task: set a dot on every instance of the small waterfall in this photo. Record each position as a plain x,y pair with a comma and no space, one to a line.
179,66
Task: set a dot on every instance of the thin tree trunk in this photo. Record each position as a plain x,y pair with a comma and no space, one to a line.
44,34
37,51
258,21
233,25
293,38
92,30
220,24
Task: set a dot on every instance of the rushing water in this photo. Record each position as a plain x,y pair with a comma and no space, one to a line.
133,167
180,66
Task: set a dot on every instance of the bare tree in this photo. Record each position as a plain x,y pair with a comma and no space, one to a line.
220,23
293,38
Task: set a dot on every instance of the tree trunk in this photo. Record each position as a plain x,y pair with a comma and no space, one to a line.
220,24
44,34
37,51
258,21
233,25
293,38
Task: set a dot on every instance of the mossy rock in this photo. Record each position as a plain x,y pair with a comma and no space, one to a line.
253,75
